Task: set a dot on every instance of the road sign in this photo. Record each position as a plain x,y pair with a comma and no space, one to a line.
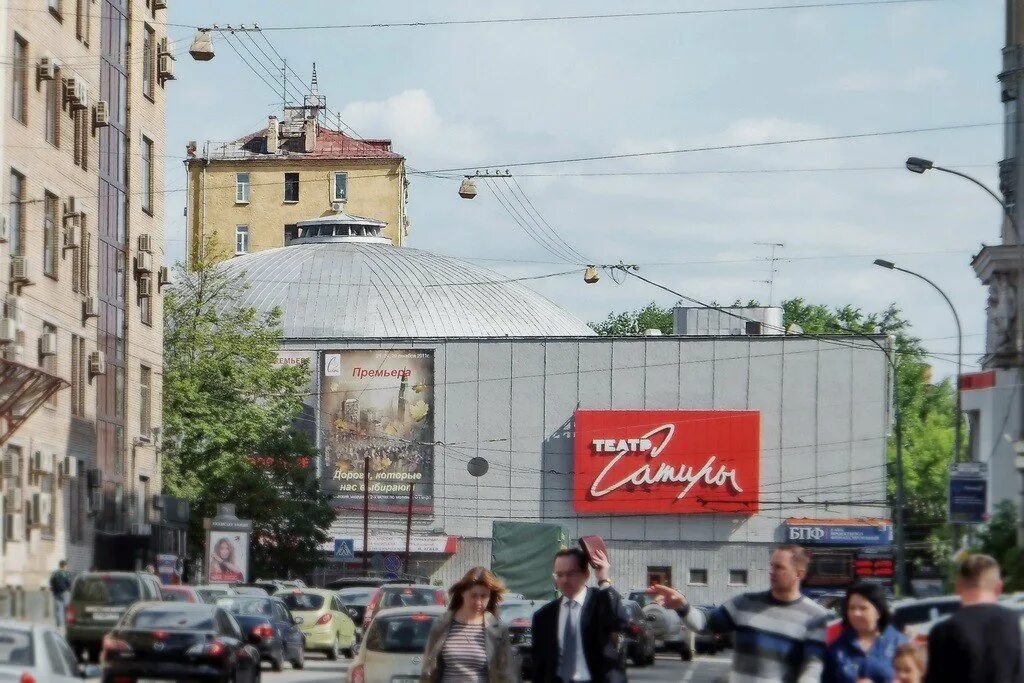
968,493
392,563
344,549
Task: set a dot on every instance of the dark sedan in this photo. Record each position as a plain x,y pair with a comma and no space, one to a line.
271,627
178,641
355,600
640,645
518,616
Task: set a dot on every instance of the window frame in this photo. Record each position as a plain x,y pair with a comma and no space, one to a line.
145,401
52,96
240,231
334,186
147,169
16,212
56,8
240,186
19,79
690,577
51,244
149,58
294,184
746,577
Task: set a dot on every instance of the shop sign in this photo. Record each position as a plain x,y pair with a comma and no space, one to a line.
387,542
825,533
968,493
667,461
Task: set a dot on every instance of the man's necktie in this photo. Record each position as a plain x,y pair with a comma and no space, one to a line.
567,665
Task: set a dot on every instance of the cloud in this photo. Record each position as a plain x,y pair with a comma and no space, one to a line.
915,80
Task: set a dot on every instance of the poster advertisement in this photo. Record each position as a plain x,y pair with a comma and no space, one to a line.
378,404
228,556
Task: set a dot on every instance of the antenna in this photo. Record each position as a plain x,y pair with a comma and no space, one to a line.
772,269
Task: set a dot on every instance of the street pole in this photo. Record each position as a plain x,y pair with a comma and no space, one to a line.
366,516
408,530
901,537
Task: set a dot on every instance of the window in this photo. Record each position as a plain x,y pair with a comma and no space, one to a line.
145,397
737,577
16,213
50,247
119,391
81,121
19,80
55,8
147,175
698,577
291,232
148,61
291,187
49,362
242,240
53,107
146,310
340,191
80,6
78,366
241,188
119,275
142,511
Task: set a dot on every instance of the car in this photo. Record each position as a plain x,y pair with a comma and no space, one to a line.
258,591
908,613
268,587
325,622
178,641
403,595
710,643
284,583
355,601
518,616
210,593
181,594
272,629
32,653
392,650
98,600
670,631
640,644
641,597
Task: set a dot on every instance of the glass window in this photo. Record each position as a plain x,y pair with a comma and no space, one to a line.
147,175
50,219
16,213
19,80
303,602
49,362
241,188
291,187
119,391
340,187
170,618
699,577
16,648
145,397
119,284
407,597
146,310
148,60
737,577
108,589
242,239
1010,111
57,663
53,106
404,634
55,7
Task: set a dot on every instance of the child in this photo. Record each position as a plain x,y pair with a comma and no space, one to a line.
908,663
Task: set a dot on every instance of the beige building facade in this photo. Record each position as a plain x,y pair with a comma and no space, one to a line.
82,239
248,195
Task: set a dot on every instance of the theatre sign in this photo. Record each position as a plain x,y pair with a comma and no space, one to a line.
667,461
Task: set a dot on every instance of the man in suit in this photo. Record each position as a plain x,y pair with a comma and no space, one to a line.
575,637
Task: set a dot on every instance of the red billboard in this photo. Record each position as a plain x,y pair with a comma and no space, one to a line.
667,462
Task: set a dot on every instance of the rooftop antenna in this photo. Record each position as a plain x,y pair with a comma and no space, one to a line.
772,269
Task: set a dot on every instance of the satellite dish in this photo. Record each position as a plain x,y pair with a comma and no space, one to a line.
478,466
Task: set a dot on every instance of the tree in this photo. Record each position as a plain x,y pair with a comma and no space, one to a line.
227,403
650,317
998,538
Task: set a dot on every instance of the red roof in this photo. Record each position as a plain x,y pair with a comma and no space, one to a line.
330,145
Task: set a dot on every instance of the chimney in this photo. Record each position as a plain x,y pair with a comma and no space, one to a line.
273,135
309,135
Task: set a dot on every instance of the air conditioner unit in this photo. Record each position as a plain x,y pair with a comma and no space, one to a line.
146,286
72,89
8,331
83,98
42,463
163,278
144,262
5,234
101,117
163,46
91,307
12,308
19,269
15,527
13,500
69,468
160,4
145,243
165,68
48,344
97,363
10,465
47,69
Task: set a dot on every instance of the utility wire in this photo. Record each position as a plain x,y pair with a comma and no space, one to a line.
552,238
554,233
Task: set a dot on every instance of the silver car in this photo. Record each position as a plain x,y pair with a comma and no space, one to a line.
33,652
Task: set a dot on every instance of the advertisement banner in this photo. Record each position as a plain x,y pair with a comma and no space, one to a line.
968,493
825,533
378,404
667,461
228,556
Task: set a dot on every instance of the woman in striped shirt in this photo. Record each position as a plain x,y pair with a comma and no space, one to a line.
469,644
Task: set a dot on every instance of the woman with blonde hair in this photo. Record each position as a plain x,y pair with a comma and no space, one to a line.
469,644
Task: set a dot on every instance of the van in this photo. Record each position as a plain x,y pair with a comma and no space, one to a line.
99,599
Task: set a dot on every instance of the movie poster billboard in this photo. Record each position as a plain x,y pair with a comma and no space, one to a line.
378,404
228,556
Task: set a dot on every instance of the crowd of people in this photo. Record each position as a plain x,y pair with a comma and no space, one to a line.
778,634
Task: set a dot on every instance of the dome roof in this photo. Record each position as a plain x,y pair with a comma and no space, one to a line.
335,287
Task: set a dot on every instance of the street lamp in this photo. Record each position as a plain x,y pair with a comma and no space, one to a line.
202,46
919,165
959,348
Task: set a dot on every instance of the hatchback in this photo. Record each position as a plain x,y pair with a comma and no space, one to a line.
31,653
403,595
325,621
392,650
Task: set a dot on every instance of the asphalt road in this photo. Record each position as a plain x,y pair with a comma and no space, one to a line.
667,668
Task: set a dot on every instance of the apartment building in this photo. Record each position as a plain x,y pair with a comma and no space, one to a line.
83,135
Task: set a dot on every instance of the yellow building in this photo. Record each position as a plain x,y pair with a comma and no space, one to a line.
249,194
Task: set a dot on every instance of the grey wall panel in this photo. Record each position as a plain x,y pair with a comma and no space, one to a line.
461,419
628,375
661,376
732,374
561,389
494,433
528,431
697,374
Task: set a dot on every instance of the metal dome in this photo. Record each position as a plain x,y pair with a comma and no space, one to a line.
336,287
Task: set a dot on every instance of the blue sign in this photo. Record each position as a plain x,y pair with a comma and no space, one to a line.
392,563
344,549
968,502
822,533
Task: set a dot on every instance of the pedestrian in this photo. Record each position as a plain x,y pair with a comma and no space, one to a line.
909,664
469,644
866,647
779,634
982,640
60,588
575,636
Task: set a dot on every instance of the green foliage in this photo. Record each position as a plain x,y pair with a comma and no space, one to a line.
227,401
633,323
998,538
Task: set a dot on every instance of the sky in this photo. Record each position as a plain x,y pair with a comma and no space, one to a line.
489,95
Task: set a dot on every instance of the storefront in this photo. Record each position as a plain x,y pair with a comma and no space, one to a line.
844,551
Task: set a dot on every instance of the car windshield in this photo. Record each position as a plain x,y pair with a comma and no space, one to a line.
211,594
253,607
16,648
303,602
177,619
516,610
407,597
405,633
106,590
175,595
359,597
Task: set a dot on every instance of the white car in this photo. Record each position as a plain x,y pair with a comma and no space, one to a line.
670,632
392,649
31,653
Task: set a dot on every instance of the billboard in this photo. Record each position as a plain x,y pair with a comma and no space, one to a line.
378,404
228,556
667,461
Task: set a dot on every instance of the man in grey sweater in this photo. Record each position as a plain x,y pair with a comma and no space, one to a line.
779,634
